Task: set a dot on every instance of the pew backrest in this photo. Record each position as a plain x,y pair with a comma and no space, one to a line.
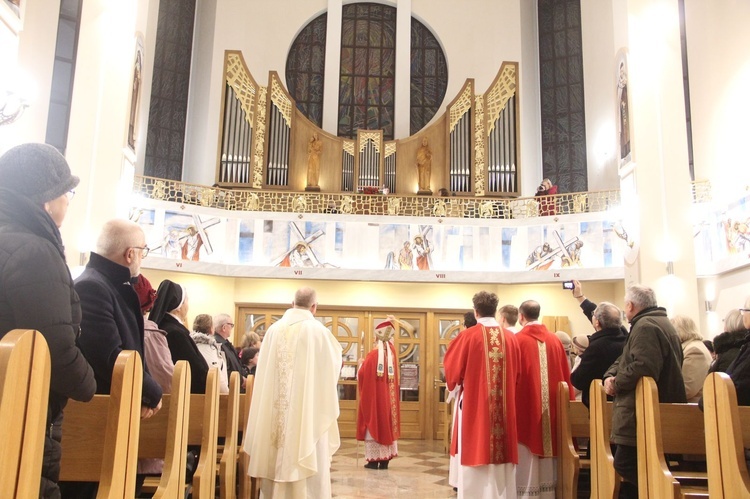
572,422
164,435
727,434
203,430
24,394
605,482
246,484
229,416
100,438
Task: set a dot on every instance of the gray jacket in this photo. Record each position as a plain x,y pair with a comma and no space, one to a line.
653,349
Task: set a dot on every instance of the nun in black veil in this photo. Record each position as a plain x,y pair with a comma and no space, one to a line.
170,313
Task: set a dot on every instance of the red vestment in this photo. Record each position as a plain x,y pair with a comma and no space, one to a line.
543,365
484,360
379,408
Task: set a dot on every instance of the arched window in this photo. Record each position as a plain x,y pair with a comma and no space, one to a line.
368,71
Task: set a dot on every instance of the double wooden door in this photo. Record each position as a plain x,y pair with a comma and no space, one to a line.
421,342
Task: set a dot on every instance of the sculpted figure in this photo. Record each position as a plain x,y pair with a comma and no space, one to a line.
424,166
314,147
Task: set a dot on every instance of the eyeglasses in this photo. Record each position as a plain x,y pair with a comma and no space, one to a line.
144,250
229,324
71,193
744,310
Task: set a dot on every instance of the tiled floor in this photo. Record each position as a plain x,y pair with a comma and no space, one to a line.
420,470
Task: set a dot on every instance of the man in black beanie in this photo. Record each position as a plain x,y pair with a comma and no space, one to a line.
36,289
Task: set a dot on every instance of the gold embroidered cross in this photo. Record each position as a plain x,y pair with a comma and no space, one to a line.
496,354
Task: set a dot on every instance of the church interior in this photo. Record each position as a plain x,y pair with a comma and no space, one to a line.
389,154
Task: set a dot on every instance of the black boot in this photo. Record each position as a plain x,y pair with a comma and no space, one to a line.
372,465
384,464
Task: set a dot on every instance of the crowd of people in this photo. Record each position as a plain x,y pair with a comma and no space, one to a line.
501,377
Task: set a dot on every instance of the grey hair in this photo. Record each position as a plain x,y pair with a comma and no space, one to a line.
608,315
117,236
733,321
686,328
220,320
305,298
642,297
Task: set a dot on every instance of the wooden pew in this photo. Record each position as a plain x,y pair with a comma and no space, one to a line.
665,428
248,487
24,393
100,438
605,482
229,415
572,422
203,431
164,435
727,433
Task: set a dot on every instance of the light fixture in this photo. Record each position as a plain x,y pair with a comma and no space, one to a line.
12,107
709,306
670,268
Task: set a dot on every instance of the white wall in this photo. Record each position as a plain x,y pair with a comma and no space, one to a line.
212,295
719,70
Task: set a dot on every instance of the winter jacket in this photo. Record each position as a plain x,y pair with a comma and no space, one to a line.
234,363
604,349
652,349
214,356
36,292
739,371
112,322
727,347
695,364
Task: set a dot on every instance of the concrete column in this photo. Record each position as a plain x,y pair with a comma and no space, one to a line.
402,90
656,184
333,68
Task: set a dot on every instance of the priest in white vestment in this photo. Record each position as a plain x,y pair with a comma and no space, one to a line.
292,431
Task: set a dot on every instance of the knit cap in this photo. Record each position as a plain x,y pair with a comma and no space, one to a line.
37,171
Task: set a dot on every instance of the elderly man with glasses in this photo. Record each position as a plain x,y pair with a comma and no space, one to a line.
112,319
223,327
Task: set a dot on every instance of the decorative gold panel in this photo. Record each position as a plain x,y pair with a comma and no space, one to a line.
375,137
280,99
390,148
349,146
243,85
364,204
498,96
259,140
462,104
479,160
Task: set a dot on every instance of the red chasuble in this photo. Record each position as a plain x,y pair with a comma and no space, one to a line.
379,409
543,365
484,360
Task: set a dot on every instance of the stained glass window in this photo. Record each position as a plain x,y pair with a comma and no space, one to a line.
305,68
429,76
368,71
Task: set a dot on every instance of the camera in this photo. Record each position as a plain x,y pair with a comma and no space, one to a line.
568,285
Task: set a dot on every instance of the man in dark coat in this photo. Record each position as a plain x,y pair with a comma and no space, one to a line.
652,349
112,320
605,347
739,370
36,289
223,327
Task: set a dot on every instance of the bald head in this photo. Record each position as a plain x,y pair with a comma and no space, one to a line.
529,311
305,298
122,241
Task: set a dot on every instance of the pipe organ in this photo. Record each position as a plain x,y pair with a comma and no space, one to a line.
263,142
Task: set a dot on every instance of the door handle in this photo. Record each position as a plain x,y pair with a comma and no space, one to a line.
436,382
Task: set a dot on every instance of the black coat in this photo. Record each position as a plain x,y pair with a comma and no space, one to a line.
36,292
182,347
652,349
727,347
604,348
233,359
739,371
112,322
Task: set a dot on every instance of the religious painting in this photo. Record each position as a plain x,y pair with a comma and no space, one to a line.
624,128
11,13
186,237
135,94
722,237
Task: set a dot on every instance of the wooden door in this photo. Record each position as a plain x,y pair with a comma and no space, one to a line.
447,327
